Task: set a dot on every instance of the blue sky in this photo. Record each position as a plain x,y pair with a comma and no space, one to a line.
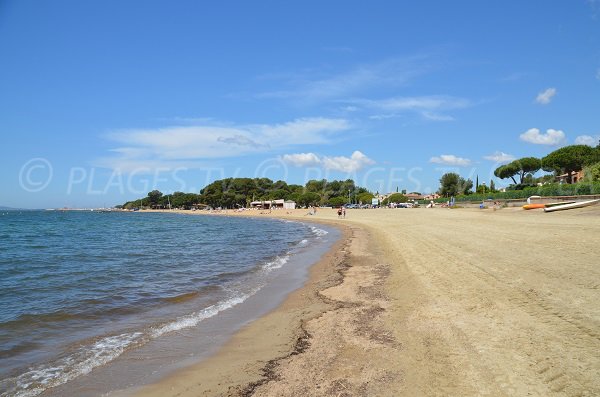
101,102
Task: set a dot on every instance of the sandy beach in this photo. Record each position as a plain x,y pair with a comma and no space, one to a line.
431,302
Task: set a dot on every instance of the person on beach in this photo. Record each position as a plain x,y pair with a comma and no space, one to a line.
343,212
339,212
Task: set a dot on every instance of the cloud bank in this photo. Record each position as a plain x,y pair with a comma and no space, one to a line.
500,157
355,162
179,146
302,159
551,137
587,140
450,159
431,107
313,88
545,97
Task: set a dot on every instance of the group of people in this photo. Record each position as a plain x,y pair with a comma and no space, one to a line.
340,211
313,210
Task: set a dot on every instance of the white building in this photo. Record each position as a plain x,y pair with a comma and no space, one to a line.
273,204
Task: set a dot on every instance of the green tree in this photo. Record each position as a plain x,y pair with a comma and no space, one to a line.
315,186
527,165
591,173
309,198
395,198
545,179
154,197
294,197
492,186
277,194
365,197
452,184
337,201
465,186
506,171
449,184
570,159
296,189
520,167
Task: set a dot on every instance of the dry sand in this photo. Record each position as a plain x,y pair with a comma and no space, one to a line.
427,302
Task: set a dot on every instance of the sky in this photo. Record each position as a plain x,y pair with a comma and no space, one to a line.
101,102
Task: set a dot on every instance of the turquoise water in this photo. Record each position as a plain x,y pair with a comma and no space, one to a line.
78,289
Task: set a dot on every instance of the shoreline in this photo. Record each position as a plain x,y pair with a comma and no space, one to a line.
243,363
259,293
429,302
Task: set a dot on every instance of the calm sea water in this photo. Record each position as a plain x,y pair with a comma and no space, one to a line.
78,289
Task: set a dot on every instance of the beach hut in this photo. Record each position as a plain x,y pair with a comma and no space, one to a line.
274,204
260,204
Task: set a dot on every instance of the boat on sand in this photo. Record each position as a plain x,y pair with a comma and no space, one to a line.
546,205
569,206
533,206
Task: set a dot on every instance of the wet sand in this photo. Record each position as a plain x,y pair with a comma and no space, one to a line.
432,302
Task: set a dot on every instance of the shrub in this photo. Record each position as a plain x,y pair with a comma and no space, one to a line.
592,173
554,189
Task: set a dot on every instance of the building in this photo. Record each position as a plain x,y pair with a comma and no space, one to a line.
573,177
274,204
410,196
431,196
414,196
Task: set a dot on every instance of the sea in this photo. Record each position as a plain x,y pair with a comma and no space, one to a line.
92,302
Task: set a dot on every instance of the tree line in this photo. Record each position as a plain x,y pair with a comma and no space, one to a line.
240,192
566,160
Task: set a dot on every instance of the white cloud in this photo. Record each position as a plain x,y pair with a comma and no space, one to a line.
183,145
301,159
418,103
241,140
551,137
300,131
545,97
514,77
355,162
429,106
437,117
384,116
450,159
500,157
393,72
587,140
